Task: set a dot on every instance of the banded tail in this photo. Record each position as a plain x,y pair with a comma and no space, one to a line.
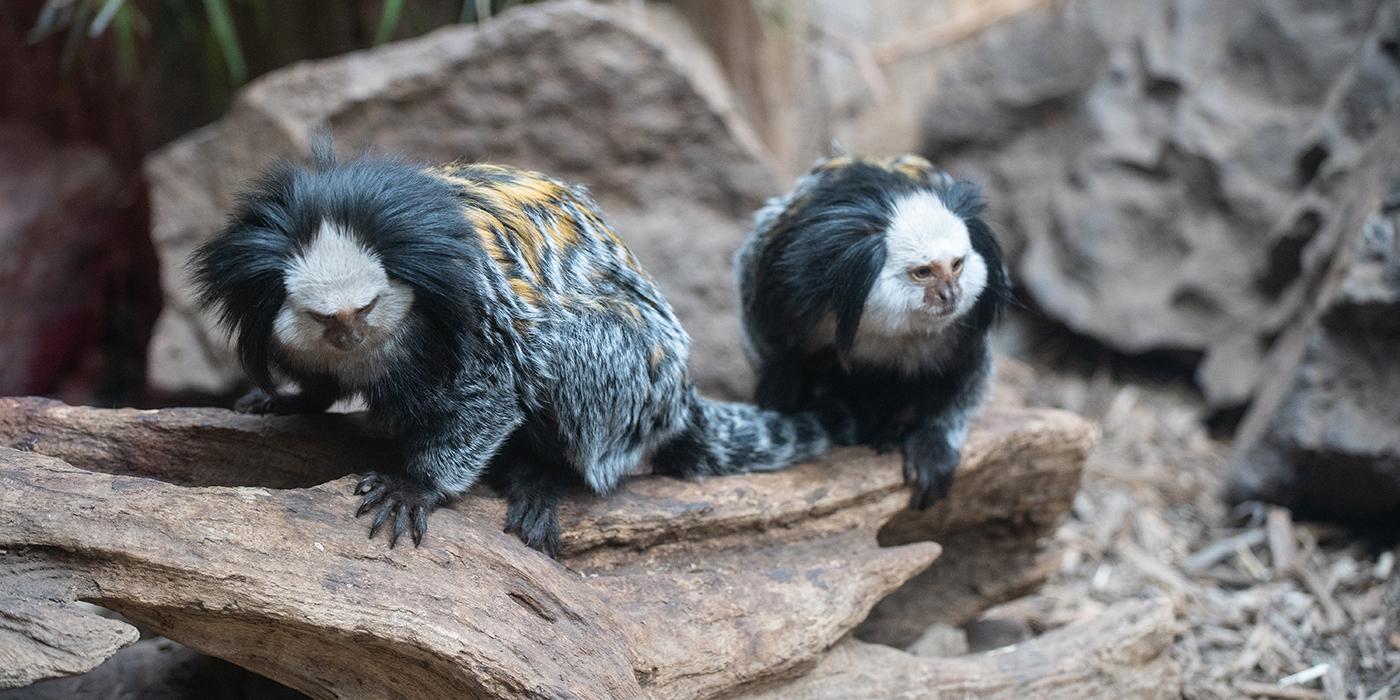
723,437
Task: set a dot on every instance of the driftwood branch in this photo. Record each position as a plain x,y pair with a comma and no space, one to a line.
1123,652
232,534
43,637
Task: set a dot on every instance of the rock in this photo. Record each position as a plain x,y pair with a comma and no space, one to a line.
68,320
939,641
1163,169
808,74
672,588
1327,446
158,669
564,88
995,632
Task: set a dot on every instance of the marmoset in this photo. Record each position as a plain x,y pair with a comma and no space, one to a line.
875,283
488,316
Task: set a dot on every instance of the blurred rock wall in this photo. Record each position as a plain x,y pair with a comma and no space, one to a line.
1167,170
78,288
809,73
62,210
1323,435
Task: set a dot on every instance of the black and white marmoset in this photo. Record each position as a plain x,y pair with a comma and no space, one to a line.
487,315
875,283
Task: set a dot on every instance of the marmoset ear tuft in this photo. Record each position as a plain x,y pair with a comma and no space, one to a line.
322,148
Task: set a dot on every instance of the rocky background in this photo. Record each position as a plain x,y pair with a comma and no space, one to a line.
1199,200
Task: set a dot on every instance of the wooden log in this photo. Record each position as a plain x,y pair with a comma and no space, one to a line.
995,543
41,636
194,446
1122,652
668,588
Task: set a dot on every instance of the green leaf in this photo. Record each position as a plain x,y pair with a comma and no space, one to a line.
388,21
73,44
221,22
124,28
49,20
104,17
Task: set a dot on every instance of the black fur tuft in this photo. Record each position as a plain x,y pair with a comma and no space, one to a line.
322,150
408,219
832,252
722,437
965,199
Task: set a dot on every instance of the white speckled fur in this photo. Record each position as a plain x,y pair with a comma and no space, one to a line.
336,272
744,264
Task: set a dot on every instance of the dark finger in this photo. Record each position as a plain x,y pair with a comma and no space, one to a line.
382,516
376,495
420,524
400,524
365,483
923,492
920,500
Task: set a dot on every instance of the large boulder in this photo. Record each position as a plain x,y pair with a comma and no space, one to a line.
1163,169
808,74
1328,444
563,88
70,270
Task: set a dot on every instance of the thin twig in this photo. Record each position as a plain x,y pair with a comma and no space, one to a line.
1282,547
1268,690
1218,551
936,36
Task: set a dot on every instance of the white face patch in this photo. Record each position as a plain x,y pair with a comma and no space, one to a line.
922,231
335,274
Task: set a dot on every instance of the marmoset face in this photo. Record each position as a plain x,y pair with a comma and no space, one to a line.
931,273
340,301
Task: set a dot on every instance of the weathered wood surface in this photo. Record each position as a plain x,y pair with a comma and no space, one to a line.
41,639
1124,652
234,535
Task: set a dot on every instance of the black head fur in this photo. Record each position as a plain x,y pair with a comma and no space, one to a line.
829,248
408,218
965,200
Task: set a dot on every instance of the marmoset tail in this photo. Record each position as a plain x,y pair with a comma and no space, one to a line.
488,316
875,283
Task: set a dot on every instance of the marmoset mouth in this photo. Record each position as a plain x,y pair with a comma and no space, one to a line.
941,311
347,344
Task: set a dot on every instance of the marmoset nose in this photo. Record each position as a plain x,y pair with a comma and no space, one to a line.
941,297
344,337
939,278
345,329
